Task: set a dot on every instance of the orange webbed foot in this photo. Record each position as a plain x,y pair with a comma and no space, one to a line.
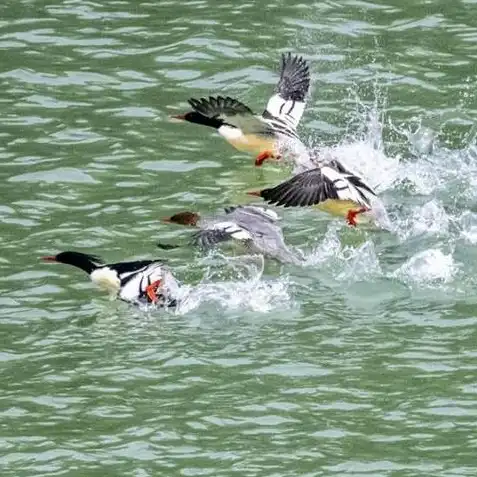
152,289
351,216
263,156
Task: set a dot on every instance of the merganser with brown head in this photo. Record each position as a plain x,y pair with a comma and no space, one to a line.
254,227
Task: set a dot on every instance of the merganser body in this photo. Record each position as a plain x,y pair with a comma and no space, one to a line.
330,187
256,228
269,135
134,282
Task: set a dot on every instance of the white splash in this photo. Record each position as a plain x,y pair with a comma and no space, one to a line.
347,263
471,191
468,225
421,176
262,297
360,263
429,219
362,158
328,248
245,290
422,140
426,268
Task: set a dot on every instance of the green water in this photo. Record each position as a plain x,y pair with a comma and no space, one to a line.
362,363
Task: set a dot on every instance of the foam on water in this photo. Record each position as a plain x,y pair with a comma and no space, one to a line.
420,177
468,227
428,219
361,156
429,267
360,263
327,249
424,168
347,263
244,289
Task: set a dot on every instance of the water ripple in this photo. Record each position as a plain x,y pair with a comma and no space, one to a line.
362,362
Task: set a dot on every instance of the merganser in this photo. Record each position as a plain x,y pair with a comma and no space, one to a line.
274,132
133,282
254,227
331,187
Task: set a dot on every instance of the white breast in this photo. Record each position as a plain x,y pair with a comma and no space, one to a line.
230,133
106,279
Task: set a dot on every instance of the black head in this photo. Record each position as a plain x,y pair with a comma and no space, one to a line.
86,262
197,118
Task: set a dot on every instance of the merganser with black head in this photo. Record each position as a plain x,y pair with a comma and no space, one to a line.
269,135
134,282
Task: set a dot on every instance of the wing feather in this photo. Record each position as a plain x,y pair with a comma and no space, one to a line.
219,232
316,186
232,112
289,101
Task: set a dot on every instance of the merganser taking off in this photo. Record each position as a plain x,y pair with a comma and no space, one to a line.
254,227
133,282
330,187
269,135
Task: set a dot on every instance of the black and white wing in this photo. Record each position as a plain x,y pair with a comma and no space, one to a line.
135,280
316,186
288,103
125,269
232,112
220,232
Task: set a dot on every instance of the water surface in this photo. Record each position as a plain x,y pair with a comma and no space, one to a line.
361,363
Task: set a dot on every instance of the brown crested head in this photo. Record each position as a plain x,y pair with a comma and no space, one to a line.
183,218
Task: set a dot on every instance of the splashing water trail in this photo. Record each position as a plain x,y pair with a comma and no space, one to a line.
360,263
236,283
327,249
468,225
421,168
430,218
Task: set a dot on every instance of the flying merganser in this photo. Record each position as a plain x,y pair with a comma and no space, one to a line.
133,282
268,135
331,187
254,227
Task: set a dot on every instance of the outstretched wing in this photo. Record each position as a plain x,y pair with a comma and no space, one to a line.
350,176
231,111
219,107
220,232
288,103
316,186
262,213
